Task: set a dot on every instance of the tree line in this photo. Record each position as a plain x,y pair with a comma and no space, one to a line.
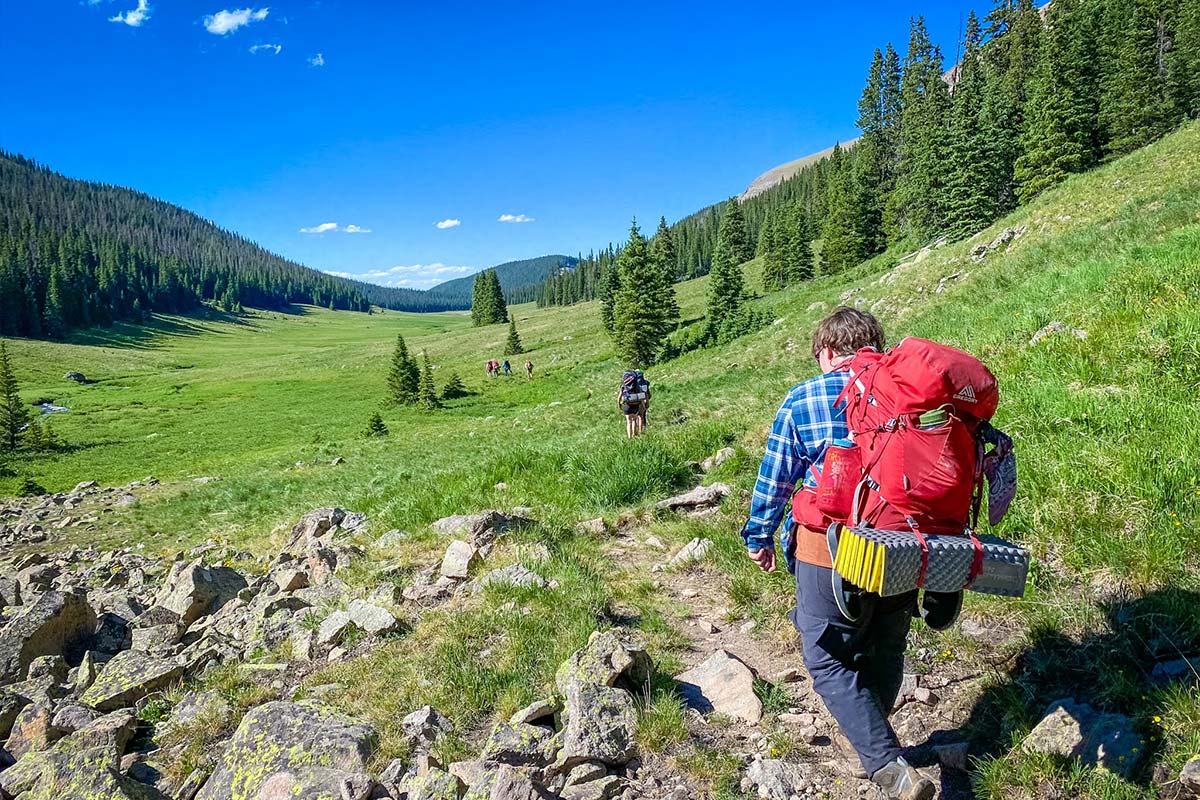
1036,95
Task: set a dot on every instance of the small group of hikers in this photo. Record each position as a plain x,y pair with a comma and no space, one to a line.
496,368
855,656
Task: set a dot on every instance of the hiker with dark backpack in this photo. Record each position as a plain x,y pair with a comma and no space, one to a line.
633,398
856,668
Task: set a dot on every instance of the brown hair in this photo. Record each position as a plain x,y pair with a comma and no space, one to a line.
847,330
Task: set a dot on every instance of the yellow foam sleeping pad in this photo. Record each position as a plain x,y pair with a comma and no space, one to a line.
889,562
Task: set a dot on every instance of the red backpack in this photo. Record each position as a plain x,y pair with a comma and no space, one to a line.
913,413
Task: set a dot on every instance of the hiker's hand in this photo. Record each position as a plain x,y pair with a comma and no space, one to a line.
765,558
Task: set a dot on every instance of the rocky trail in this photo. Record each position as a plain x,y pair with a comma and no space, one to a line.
108,658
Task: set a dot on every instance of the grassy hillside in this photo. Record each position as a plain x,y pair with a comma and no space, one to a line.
1109,495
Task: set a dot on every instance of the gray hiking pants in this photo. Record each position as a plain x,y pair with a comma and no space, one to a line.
857,672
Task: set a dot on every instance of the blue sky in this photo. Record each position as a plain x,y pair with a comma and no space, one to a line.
386,118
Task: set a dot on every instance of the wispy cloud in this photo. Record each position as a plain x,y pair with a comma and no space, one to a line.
448,223
266,48
333,227
317,61
514,218
411,276
224,22
134,17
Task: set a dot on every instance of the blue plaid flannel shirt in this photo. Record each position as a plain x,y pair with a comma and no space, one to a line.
805,426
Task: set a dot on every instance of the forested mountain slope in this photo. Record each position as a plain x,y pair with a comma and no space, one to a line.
75,253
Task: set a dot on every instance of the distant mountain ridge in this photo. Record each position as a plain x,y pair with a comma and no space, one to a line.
519,279
777,175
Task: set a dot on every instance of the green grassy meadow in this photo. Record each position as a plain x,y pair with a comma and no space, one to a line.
1105,429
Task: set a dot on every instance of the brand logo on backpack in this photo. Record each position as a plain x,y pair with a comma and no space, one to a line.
966,394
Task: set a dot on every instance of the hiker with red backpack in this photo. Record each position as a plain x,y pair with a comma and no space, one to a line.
856,656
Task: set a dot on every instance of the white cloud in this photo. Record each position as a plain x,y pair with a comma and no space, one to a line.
410,276
224,22
333,227
317,61
514,218
134,17
262,48
448,223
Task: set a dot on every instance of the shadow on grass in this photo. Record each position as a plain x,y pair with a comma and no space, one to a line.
159,328
1111,671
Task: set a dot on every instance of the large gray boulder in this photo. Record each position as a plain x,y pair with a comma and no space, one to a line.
775,779
697,499
57,624
608,657
314,530
291,750
508,783
198,590
433,785
68,772
1076,730
519,744
1189,776
724,684
601,726
11,704
128,677
33,729
459,559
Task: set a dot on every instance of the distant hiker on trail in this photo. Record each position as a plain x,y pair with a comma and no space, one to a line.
507,368
488,367
857,669
633,398
528,369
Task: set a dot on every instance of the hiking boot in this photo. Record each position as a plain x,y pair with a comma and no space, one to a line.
853,761
899,781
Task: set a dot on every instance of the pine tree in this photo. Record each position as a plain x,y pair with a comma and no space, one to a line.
609,287
970,204
14,416
1136,104
640,317
1183,62
499,307
376,426
1013,35
725,280
429,397
1054,142
874,162
663,253
512,346
771,251
478,305
795,236
487,300
842,243
454,388
404,378
733,228
55,318
918,201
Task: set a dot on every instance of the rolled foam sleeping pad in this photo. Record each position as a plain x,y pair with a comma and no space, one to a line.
889,562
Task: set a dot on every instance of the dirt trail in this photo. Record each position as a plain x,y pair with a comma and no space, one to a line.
696,598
